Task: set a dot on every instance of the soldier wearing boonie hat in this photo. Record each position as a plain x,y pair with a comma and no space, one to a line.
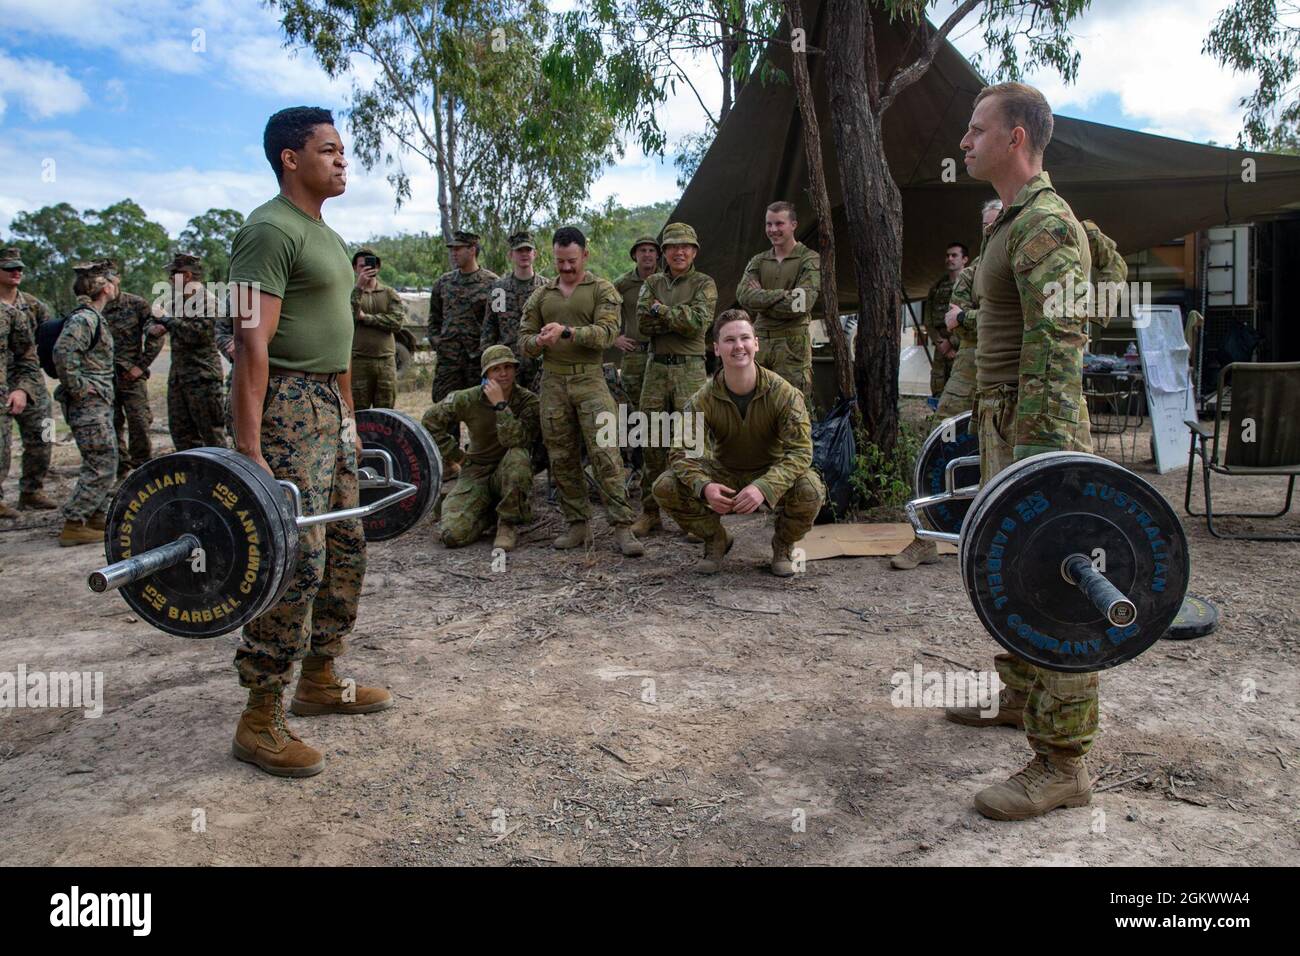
23,396
503,419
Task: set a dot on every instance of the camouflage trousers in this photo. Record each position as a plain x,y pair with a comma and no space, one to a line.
795,511
789,354
570,405
459,366
91,422
667,389
1060,708
959,392
132,414
228,404
633,375
940,370
196,412
305,441
485,494
374,381
36,432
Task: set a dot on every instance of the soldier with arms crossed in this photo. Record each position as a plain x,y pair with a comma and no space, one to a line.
294,418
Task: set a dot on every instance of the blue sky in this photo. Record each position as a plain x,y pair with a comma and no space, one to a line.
108,99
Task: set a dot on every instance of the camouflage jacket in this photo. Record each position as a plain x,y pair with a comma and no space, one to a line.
507,297
19,366
129,316
774,438
936,307
458,305
193,334
223,332
1034,246
963,296
83,370
773,306
687,301
591,312
629,287
1108,268
491,433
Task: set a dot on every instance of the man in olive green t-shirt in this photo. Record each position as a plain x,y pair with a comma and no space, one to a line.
378,312
293,417
571,321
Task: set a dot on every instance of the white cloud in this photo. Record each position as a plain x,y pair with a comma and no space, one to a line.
43,88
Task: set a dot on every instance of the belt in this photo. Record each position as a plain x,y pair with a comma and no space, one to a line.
675,359
277,372
780,333
565,368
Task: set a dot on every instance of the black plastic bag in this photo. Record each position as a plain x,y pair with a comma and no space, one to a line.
834,451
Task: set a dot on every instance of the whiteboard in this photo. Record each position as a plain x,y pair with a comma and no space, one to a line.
1167,380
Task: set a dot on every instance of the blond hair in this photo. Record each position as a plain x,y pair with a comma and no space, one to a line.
1022,105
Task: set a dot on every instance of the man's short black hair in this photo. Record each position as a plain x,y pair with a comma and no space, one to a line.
365,252
290,129
568,235
959,245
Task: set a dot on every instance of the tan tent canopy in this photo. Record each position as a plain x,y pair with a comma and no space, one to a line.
1141,189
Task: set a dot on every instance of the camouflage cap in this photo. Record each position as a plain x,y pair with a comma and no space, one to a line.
495,355
11,259
522,240
642,241
185,262
95,267
679,233
462,237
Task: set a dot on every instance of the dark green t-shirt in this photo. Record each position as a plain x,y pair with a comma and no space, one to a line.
306,265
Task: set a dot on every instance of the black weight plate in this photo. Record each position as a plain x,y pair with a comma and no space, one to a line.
276,500
233,516
1039,511
1196,618
931,462
415,459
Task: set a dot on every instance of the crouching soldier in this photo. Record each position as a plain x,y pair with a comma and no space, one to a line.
760,437
504,421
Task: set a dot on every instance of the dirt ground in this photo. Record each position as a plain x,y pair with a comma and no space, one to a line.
586,708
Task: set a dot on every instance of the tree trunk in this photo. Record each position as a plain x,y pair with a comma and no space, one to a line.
812,142
873,208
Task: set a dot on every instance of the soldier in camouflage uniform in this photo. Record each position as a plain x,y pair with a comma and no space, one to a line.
631,341
570,321
504,421
294,419
378,312
195,390
759,439
83,356
224,336
1108,269
506,298
23,396
457,310
779,289
675,308
134,349
1029,366
945,341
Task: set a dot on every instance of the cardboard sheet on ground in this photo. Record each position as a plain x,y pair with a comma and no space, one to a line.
860,541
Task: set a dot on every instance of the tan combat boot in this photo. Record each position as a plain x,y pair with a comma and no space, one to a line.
6,511
627,542
35,501
506,538
98,521
782,559
1011,712
319,691
715,549
918,552
264,739
1041,786
647,524
77,532
578,536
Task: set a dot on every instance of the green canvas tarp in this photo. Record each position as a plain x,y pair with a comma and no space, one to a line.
1141,189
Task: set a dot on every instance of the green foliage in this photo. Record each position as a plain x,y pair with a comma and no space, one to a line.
411,260
210,236
1263,37
885,481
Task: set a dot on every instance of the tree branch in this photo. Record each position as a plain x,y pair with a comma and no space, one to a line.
916,69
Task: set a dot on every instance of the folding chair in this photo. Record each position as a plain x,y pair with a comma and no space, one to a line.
1256,432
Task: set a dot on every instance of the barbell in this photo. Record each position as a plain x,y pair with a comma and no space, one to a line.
1071,561
201,542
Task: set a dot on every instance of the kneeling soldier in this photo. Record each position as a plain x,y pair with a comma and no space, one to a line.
757,428
504,421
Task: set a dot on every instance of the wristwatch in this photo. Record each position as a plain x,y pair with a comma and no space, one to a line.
500,406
